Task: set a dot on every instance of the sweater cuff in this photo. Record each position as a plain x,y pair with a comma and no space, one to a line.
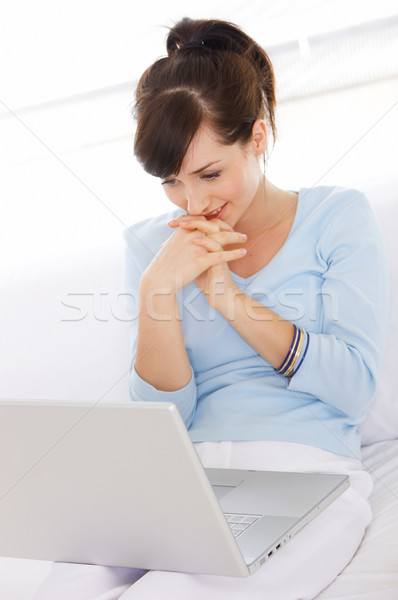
184,398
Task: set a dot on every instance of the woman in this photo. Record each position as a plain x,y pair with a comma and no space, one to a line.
262,312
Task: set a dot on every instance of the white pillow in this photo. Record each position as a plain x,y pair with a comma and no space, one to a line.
381,422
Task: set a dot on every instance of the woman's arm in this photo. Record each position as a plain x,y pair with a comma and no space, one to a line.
269,334
161,357
343,358
160,367
137,256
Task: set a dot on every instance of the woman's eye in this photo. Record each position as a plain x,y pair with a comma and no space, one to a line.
169,182
211,175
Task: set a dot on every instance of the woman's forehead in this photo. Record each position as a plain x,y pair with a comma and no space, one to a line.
204,150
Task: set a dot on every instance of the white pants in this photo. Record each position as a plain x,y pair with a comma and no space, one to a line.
301,570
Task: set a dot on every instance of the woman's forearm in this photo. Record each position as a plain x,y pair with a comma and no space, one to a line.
269,334
161,357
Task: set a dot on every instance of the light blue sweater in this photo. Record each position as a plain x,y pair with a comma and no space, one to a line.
330,278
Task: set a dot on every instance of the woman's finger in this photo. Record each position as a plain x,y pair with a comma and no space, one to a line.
220,239
208,243
228,237
201,223
176,222
216,258
184,218
223,226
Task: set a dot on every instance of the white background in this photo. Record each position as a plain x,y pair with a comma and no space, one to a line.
68,175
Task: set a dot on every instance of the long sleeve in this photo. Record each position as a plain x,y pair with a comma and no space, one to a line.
343,360
138,253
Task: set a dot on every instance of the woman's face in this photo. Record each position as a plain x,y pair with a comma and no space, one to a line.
217,180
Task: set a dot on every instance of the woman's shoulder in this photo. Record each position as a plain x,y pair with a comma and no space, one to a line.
321,206
332,198
336,215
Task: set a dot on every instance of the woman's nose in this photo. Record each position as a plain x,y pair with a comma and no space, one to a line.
196,202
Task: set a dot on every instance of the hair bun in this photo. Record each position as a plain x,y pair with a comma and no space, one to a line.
209,34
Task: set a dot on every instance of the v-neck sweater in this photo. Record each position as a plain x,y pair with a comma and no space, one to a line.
330,278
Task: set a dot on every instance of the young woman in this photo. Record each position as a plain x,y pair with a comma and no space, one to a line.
262,311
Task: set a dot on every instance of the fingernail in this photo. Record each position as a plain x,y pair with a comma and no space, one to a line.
184,222
243,251
244,236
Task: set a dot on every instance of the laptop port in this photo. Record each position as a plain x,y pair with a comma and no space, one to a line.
270,553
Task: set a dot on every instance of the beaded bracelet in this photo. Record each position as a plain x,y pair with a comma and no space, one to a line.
288,365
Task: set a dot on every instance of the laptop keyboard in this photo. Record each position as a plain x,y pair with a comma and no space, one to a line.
239,523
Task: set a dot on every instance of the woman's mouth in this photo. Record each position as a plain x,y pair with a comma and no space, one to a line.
216,213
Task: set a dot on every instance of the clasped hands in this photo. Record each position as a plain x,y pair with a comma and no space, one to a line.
211,236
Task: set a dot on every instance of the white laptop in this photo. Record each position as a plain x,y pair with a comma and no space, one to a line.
122,485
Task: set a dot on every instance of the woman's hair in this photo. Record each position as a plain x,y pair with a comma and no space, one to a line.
214,75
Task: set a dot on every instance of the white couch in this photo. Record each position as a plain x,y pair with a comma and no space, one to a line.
64,336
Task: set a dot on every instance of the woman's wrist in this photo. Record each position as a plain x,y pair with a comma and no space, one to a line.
224,299
158,300
151,284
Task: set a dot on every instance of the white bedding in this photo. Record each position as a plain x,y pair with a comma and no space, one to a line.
371,575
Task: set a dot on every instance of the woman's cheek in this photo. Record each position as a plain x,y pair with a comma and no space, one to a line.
231,190
176,199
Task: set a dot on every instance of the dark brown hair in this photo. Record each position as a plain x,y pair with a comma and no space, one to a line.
215,75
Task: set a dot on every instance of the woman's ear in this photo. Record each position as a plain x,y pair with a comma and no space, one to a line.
259,137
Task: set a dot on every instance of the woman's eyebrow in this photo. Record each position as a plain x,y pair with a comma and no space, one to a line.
205,167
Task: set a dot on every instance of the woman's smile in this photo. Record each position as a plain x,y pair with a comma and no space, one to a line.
216,213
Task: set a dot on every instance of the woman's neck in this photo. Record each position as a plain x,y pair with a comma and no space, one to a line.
270,207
